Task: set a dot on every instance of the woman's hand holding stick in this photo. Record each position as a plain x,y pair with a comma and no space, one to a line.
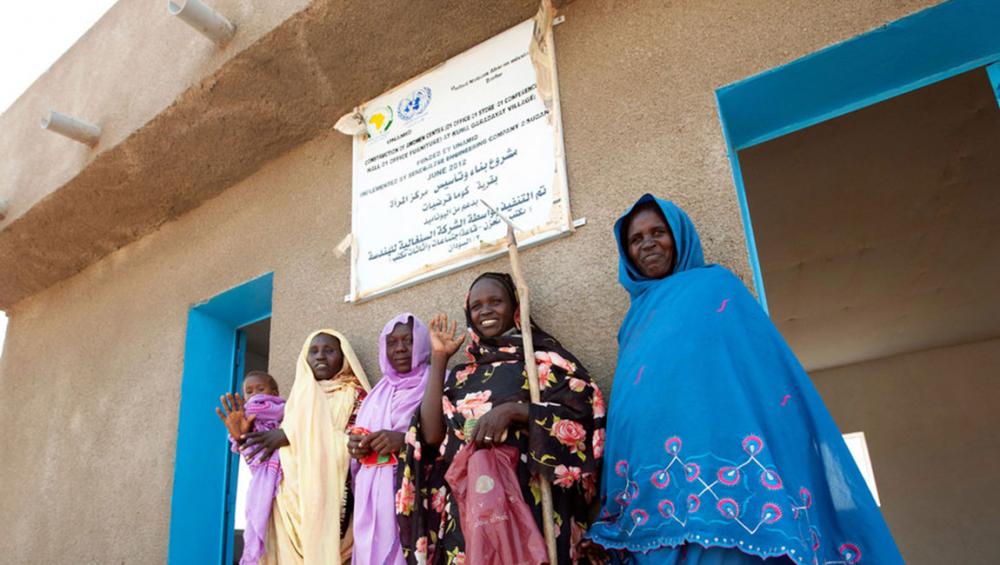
548,518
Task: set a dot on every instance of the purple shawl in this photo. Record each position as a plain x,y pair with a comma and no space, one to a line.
389,406
265,476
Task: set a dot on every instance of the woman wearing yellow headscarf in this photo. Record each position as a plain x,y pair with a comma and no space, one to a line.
309,516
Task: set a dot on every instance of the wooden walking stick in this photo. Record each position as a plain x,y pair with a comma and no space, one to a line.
530,367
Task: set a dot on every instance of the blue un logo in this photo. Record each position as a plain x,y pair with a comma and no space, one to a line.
414,105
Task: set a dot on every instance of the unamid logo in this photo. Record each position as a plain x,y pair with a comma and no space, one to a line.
415,104
378,121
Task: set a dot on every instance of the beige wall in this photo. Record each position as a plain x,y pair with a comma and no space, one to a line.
853,216
90,375
124,71
930,419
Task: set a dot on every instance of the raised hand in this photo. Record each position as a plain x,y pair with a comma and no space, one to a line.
234,417
444,343
444,340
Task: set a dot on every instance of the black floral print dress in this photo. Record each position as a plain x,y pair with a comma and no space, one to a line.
563,441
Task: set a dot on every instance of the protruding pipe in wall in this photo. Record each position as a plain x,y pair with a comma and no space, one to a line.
77,130
207,21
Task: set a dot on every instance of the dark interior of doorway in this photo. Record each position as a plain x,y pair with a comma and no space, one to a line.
878,235
878,232
255,358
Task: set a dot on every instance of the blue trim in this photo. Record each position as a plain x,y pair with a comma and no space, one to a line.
993,72
233,463
200,530
741,196
910,53
923,48
242,305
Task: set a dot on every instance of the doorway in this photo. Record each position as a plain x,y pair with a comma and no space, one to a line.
255,339
878,232
868,175
878,235
220,334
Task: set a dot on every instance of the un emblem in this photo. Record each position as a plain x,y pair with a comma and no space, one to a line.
414,105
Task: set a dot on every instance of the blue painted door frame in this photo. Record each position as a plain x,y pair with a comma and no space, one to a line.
232,463
204,468
907,54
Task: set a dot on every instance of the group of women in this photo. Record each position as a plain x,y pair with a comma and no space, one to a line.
715,450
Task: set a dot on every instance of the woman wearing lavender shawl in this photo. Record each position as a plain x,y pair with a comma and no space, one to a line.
404,356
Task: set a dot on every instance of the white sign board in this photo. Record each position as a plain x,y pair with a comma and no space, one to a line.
472,128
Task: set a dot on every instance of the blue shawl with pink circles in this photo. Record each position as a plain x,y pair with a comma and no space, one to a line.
716,436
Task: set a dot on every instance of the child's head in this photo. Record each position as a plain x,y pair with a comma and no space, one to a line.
259,382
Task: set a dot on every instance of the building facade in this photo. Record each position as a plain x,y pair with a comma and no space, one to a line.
219,165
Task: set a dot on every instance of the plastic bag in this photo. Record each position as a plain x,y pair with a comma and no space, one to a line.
498,526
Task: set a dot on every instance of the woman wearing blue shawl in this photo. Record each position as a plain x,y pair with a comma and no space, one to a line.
719,450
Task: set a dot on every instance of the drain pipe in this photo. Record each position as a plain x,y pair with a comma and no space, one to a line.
205,20
77,130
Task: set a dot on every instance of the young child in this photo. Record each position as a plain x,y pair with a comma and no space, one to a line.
263,410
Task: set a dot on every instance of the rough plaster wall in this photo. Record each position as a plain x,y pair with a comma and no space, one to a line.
284,89
639,107
124,71
91,372
931,424
863,225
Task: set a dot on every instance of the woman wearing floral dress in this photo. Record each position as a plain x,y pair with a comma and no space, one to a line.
485,401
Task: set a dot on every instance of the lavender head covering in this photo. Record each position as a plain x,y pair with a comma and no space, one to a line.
389,406
421,353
